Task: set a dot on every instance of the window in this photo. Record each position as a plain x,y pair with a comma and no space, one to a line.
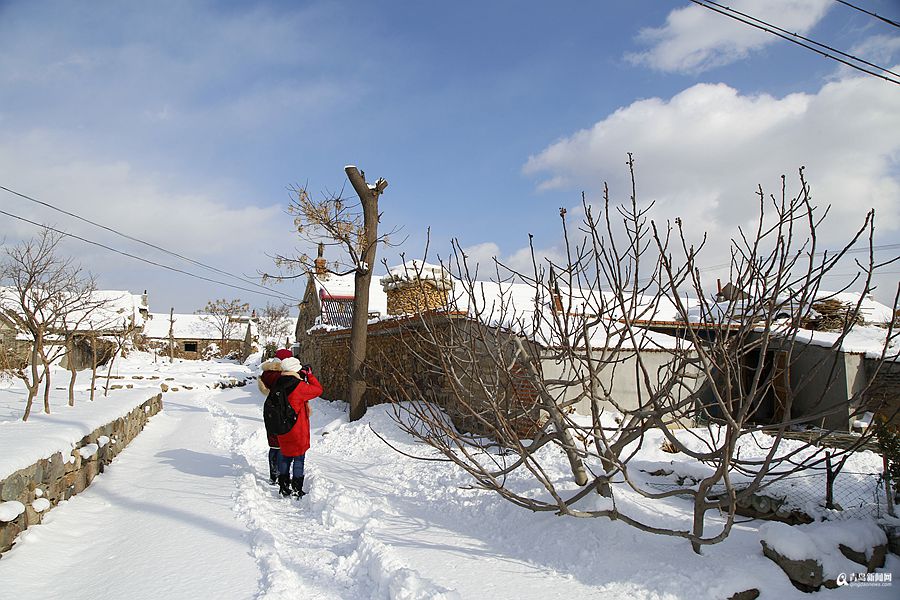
190,346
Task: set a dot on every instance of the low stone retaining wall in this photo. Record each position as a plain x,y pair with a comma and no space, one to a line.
44,484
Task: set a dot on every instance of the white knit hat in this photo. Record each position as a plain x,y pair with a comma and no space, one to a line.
291,364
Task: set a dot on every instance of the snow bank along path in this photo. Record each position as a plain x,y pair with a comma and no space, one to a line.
186,512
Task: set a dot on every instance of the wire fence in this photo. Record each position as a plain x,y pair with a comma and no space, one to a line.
855,496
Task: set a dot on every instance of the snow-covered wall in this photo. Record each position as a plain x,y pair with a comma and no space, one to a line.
28,493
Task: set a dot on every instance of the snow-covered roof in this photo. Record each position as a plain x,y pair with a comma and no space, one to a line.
861,339
514,306
413,270
341,287
105,310
189,326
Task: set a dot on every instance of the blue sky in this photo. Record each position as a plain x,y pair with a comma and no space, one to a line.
183,123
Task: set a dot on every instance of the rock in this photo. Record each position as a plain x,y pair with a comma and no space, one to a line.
751,594
13,487
115,386
876,561
8,533
187,387
174,389
893,536
32,517
57,468
806,574
854,555
137,376
164,387
170,379
129,386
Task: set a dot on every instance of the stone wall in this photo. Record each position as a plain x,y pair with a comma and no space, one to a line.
44,484
401,365
883,397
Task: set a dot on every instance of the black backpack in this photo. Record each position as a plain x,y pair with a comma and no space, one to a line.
278,414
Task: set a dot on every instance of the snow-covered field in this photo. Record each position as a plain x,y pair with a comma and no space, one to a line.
186,512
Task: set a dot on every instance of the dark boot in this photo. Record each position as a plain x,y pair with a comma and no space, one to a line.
284,485
297,485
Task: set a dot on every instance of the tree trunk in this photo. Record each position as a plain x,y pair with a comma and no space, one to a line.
93,365
47,389
368,197
70,358
358,333
112,360
35,384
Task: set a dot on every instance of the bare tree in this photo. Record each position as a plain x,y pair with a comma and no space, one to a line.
46,291
335,221
222,314
516,369
274,322
121,337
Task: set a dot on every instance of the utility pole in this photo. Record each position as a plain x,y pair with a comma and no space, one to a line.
172,334
368,197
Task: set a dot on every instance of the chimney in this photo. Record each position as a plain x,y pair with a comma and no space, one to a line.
320,263
719,285
554,291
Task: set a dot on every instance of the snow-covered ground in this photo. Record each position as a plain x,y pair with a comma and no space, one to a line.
186,512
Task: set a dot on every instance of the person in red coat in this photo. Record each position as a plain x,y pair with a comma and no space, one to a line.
303,387
271,371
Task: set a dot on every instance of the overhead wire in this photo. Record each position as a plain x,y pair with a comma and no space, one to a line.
146,260
878,248
825,50
870,13
145,243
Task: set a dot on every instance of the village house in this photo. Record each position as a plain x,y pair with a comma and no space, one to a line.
395,337
197,336
112,314
823,380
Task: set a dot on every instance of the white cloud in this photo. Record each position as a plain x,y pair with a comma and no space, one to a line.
696,39
215,226
701,154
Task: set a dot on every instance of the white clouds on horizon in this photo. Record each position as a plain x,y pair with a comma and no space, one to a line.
701,154
696,39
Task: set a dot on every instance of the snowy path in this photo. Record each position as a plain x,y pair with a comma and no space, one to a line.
365,530
186,512
159,523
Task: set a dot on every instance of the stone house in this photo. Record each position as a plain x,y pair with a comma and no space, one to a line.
821,380
196,337
416,309
114,314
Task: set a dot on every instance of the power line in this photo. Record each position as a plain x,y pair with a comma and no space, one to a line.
822,49
145,260
140,241
870,13
820,252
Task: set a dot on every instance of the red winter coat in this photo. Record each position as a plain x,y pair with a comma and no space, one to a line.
296,441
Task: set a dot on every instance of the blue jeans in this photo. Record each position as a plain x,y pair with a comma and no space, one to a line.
274,453
285,462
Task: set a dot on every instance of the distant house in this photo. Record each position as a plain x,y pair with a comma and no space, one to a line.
114,313
197,336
